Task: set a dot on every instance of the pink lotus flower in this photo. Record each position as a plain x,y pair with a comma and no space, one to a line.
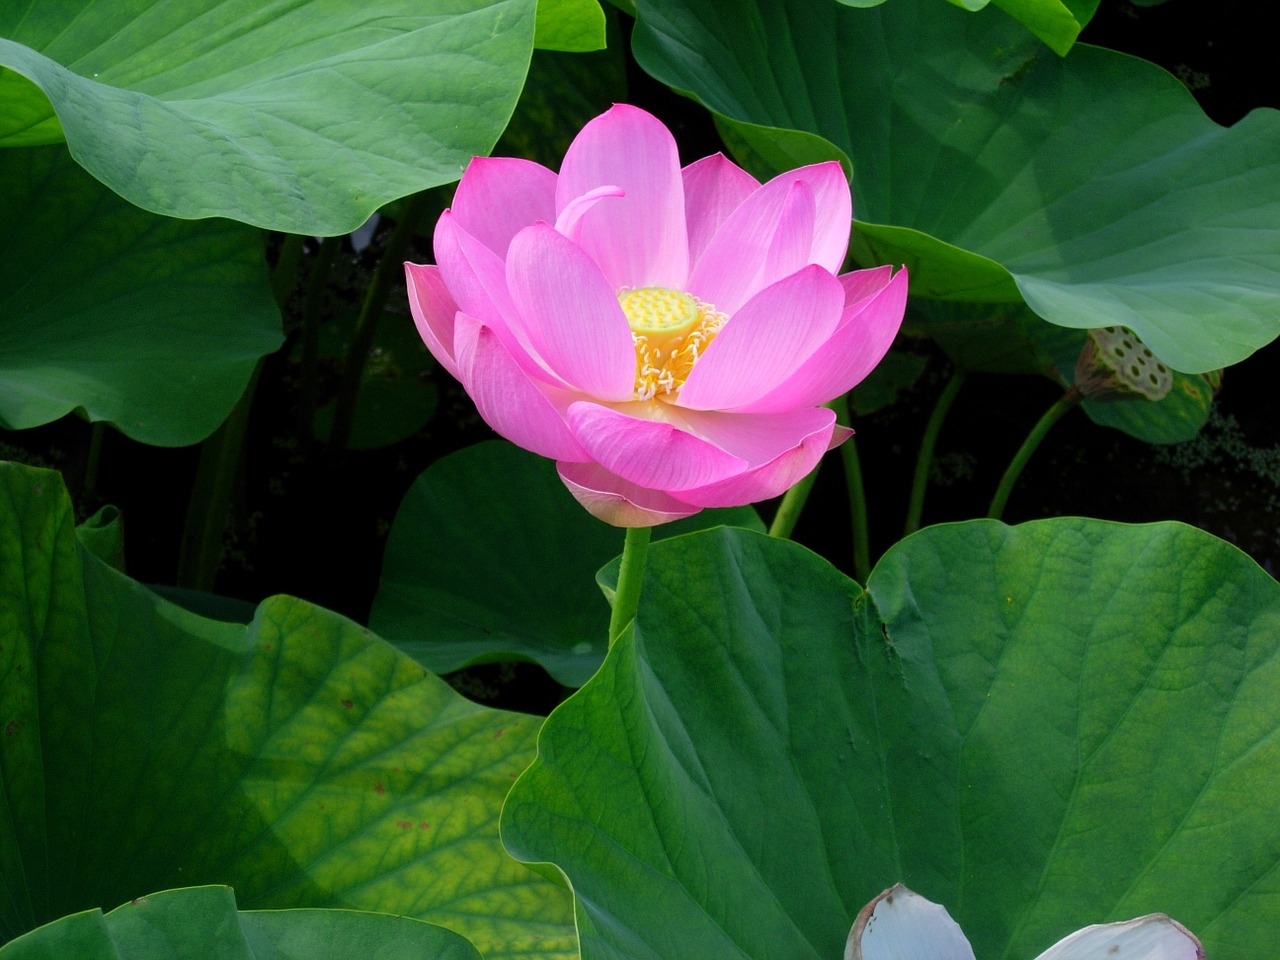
668,336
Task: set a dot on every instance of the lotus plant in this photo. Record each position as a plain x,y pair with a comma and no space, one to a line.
669,336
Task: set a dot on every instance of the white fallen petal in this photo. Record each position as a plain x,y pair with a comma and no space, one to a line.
1153,937
902,925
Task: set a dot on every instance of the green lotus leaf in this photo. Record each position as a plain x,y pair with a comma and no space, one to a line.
303,117
298,758
149,323
1040,727
1056,22
103,535
202,923
490,558
1092,186
575,26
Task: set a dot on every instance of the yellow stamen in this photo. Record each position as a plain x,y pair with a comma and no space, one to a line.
670,330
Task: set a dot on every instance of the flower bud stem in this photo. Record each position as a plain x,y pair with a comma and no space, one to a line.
857,494
309,378
793,501
626,598
924,460
1066,402
389,269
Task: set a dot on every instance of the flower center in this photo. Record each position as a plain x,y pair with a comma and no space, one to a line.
670,330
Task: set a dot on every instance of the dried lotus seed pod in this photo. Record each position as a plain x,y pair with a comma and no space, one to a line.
1116,365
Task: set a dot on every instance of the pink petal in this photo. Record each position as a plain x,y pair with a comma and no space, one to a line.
860,284
774,477
571,316
793,238
500,196
865,332
764,342
610,498
433,312
639,240
477,279
754,437
713,188
474,274
529,414
834,203
732,268
651,453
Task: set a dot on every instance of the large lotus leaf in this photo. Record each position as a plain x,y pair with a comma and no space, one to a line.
1093,187
490,558
150,323
202,923
103,535
571,25
1056,22
1039,727
298,758
304,117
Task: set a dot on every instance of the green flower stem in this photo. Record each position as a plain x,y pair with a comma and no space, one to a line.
97,433
317,285
793,501
390,267
626,599
1066,402
857,496
285,273
201,551
924,460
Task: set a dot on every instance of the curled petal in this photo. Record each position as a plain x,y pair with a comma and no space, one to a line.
764,342
902,925
568,218
713,188
638,239
616,501
732,268
571,315
865,332
756,438
1153,937
500,196
528,413
773,477
651,453
433,311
